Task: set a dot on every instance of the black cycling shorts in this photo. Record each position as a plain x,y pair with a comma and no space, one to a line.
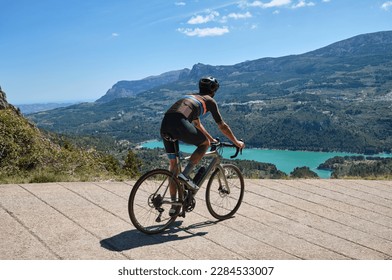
178,127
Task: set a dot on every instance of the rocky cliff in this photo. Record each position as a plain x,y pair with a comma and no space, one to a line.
4,104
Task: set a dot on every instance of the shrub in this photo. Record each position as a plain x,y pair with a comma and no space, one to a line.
303,172
27,155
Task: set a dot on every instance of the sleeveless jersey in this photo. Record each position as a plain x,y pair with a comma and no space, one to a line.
193,106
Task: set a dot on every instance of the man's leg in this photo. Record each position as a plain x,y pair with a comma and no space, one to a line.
174,169
196,157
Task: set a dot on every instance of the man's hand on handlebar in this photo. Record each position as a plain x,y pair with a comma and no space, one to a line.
240,144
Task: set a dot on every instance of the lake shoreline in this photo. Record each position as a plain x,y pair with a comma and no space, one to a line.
284,160
383,154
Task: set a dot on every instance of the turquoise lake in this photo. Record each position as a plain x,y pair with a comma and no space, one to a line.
284,160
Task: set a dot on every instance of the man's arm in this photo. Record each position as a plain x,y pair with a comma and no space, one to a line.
226,130
200,126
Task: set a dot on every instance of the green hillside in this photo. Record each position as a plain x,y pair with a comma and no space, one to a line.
29,155
337,98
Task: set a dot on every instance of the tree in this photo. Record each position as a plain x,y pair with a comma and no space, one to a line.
132,165
303,172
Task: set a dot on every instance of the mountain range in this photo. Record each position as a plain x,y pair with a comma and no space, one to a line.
338,97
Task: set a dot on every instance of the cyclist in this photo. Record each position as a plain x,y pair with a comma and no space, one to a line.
182,122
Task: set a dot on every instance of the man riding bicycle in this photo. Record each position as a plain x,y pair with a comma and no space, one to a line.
182,122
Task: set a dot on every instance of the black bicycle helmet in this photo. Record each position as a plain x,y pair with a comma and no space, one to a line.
208,85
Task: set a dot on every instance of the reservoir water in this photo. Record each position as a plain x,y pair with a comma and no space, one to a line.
284,160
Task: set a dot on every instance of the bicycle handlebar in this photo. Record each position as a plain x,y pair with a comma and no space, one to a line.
218,144
238,150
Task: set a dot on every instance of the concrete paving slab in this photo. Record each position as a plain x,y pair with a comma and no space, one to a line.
279,219
332,221
294,222
345,213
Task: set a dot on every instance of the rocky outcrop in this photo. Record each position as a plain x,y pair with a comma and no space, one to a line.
4,104
3,100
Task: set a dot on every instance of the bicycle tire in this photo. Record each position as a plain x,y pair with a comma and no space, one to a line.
149,201
220,204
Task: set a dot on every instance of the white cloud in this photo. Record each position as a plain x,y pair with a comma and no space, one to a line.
203,19
386,6
204,32
239,16
302,4
114,34
180,3
236,16
280,3
271,4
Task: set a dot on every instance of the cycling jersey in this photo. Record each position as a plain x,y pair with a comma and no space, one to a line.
193,106
177,122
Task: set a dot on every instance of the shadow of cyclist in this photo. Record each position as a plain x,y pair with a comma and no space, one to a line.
132,239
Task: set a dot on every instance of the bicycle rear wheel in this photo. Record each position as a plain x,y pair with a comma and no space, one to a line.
149,202
224,196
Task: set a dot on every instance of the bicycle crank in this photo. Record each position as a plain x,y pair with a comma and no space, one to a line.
190,202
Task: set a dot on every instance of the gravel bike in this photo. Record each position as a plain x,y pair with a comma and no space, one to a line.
149,202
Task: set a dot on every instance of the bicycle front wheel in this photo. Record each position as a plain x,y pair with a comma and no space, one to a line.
225,191
149,202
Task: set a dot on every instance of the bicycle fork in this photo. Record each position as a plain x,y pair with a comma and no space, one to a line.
224,188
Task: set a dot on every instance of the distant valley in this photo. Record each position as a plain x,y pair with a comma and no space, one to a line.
337,98
39,107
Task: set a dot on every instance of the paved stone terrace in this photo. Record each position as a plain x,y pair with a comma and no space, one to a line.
279,219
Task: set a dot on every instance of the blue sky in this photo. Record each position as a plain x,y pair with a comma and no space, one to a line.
72,50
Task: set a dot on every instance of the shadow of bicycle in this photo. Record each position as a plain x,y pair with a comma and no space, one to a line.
132,239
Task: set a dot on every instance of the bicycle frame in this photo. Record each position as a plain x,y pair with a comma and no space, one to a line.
215,148
215,163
